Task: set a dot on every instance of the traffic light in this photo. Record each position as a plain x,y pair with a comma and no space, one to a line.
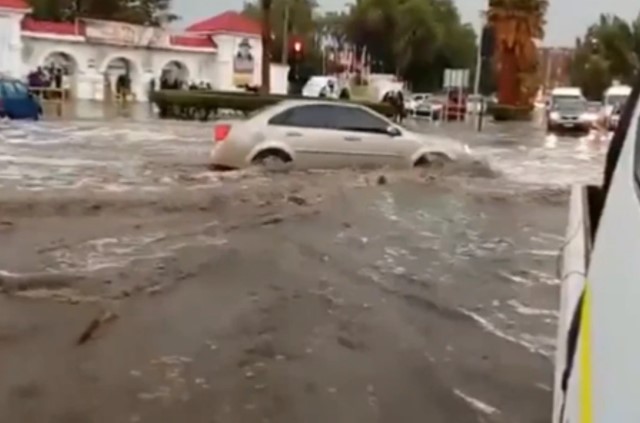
487,42
297,47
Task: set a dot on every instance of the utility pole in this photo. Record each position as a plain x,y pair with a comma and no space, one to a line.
266,46
285,35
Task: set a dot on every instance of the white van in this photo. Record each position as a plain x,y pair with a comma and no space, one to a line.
597,366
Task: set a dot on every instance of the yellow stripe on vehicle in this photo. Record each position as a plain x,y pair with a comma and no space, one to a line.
585,377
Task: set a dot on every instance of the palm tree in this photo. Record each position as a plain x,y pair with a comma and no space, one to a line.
517,24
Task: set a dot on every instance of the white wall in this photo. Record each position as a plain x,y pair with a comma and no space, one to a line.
227,48
10,43
91,61
279,80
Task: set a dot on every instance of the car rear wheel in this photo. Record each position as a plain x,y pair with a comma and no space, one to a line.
273,160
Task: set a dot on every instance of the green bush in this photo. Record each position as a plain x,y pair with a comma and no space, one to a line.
204,105
502,113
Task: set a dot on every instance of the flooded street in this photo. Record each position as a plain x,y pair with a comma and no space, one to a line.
138,286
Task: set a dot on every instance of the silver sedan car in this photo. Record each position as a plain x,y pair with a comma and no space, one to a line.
307,134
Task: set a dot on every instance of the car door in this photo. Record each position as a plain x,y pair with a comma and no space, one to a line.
303,128
365,137
15,103
28,102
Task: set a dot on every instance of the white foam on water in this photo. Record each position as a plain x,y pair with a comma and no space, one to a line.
491,328
51,161
542,253
111,252
515,278
476,403
530,311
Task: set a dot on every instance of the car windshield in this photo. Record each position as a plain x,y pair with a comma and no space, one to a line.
570,105
616,100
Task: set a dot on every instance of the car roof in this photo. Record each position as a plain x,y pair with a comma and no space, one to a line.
286,104
567,91
619,90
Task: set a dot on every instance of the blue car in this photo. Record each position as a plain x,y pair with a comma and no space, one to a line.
17,102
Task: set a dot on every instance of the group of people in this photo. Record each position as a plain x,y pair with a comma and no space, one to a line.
49,77
396,100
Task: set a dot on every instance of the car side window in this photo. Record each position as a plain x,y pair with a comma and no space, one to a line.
9,90
311,116
21,90
356,119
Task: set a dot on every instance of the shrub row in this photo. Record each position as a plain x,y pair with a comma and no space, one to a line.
205,105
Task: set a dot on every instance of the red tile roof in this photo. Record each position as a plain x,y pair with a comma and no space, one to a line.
49,27
192,41
15,4
227,22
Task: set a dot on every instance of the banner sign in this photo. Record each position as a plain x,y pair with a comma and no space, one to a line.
243,64
123,34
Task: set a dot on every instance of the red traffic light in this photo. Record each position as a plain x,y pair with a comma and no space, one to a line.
297,46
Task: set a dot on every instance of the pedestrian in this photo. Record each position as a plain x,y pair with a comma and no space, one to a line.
400,106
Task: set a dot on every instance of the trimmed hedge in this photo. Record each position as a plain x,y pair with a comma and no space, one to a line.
205,105
502,113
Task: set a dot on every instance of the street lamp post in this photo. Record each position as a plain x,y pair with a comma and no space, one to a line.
266,46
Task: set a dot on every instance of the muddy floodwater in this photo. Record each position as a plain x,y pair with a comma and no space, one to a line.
137,286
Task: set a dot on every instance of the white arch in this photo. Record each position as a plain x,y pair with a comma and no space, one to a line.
63,51
181,64
136,68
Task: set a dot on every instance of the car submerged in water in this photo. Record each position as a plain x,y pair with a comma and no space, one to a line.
316,134
571,115
17,102
597,363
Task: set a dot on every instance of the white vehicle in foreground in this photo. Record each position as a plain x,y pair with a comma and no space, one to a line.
306,134
597,364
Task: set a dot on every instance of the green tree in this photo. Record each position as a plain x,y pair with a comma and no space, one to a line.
141,12
609,51
416,39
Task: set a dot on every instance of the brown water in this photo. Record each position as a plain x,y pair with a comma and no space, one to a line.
316,296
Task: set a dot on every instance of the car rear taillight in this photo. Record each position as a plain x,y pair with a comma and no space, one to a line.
220,132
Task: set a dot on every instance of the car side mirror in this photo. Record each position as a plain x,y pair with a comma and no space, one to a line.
392,131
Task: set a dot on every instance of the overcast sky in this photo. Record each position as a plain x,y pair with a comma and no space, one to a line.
567,18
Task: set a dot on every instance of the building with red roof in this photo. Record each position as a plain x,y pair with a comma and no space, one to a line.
224,51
